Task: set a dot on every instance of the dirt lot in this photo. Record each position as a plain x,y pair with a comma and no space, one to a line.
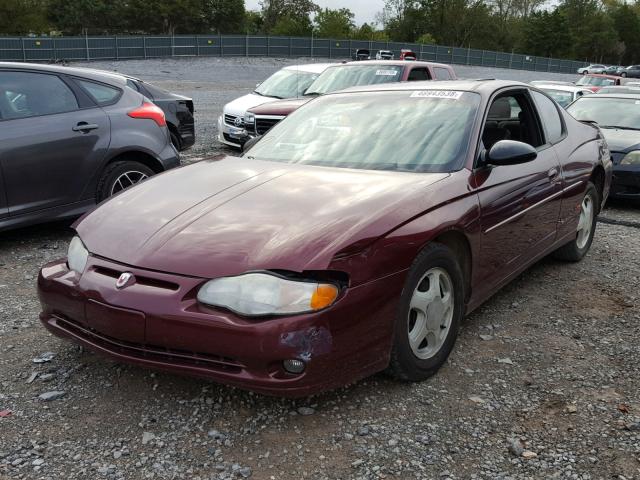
543,383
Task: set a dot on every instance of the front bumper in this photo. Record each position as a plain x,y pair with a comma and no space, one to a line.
157,322
233,136
626,182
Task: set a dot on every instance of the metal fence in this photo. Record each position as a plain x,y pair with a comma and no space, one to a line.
51,49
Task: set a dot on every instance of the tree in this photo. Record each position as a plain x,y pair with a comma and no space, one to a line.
21,17
546,34
291,14
627,23
290,26
335,23
253,23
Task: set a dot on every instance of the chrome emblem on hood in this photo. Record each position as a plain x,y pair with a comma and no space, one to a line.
238,122
125,280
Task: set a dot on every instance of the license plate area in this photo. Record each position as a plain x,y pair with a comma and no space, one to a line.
115,322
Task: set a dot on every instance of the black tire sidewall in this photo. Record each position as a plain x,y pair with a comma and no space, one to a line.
113,171
411,367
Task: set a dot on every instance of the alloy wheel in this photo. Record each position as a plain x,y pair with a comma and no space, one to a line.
126,180
585,223
430,313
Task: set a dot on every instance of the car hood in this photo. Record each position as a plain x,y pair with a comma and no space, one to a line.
281,107
620,140
239,106
228,216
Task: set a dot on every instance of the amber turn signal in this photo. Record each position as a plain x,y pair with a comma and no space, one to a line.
324,296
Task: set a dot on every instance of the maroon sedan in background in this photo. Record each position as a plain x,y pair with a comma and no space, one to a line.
353,74
334,248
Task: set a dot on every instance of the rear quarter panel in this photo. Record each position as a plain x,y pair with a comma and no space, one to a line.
582,151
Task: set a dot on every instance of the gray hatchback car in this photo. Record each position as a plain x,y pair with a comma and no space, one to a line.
71,137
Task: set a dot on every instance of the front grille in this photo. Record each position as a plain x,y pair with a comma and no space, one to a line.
263,125
149,352
230,119
140,280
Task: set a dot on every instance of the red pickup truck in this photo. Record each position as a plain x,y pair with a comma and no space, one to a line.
260,119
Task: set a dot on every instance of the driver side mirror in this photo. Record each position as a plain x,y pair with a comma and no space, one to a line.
510,152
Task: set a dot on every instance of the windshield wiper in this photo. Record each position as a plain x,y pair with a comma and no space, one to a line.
311,94
620,127
270,96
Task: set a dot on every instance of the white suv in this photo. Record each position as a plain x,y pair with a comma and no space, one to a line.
288,82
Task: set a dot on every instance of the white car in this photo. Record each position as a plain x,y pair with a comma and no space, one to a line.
563,94
593,68
288,82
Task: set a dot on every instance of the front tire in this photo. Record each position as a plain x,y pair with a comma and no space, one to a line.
576,249
118,176
623,74
431,309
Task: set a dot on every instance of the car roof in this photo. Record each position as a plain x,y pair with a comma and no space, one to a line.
485,87
311,67
398,63
601,75
559,86
630,96
89,73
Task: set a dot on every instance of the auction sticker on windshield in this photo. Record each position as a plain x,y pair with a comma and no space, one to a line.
450,94
389,73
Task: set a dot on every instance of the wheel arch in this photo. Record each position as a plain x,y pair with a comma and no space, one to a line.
598,179
137,156
459,244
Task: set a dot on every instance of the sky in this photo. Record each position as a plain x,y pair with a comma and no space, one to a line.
364,10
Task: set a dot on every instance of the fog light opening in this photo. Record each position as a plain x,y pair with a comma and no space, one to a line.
294,366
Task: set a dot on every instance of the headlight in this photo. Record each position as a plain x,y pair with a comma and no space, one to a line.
77,255
266,294
631,158
249,119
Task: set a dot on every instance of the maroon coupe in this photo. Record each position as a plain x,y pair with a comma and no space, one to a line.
351,239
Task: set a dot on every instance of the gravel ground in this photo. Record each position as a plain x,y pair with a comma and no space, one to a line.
543,383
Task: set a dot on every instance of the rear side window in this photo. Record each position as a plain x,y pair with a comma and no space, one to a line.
101,93
441,73
419,74
27,94
550,117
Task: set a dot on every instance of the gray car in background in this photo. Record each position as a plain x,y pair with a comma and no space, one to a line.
72,137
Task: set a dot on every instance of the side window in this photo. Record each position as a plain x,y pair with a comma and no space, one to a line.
133,85
26,94
550,117
441,73
419,74
102,94
510,118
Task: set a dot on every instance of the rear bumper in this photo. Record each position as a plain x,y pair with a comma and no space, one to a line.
169,157
626,182
156,322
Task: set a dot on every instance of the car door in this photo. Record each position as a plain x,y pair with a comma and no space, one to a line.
520,204
51,141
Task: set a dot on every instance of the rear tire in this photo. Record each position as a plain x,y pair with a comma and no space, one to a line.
118,176
576,249
585,72
431,309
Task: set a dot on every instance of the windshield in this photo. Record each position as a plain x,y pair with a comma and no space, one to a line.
563,97
608,112
423,131
345,76
286,84
597,81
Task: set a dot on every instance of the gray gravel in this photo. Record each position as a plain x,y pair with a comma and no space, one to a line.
543,383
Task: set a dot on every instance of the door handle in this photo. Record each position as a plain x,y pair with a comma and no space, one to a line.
553,174
85,127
